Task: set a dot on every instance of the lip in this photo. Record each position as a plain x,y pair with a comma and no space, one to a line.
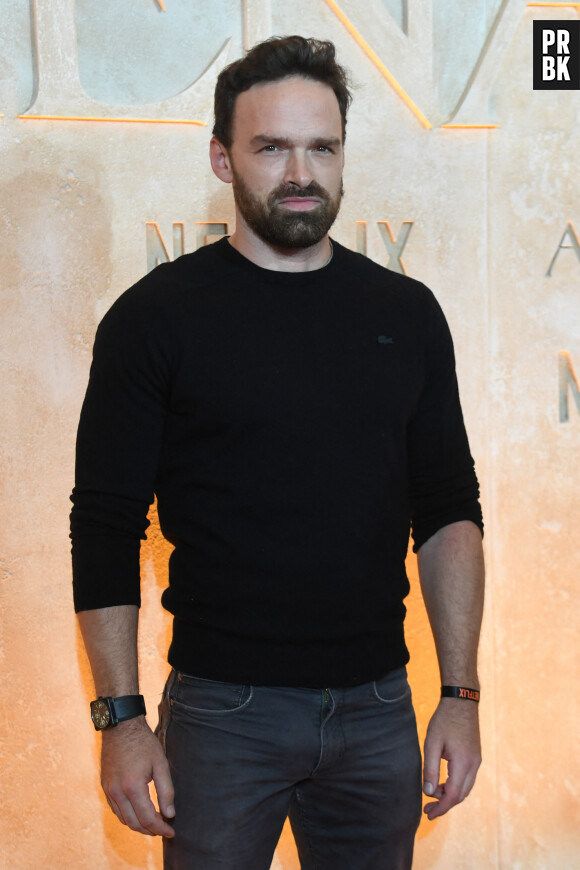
300,203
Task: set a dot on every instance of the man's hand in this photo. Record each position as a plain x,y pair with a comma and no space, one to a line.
453,736
131,758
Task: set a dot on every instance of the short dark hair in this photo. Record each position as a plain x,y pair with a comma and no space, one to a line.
278,58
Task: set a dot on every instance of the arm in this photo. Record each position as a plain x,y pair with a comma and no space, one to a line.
131,755
452,582
118,453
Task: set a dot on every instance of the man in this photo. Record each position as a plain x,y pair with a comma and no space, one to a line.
294,407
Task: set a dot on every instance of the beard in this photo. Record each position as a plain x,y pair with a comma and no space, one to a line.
282,227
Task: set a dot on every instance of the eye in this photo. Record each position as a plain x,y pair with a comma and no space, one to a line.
270,149
323,149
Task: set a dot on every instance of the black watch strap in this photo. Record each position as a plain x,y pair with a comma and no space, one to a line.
128,707
108,712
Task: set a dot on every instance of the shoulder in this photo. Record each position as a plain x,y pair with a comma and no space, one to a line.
168,281
408,293
168,293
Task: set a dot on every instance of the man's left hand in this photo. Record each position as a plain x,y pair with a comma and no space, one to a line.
452,736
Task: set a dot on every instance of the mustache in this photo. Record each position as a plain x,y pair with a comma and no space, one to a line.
283,191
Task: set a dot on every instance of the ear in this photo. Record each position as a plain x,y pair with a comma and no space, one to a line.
220,160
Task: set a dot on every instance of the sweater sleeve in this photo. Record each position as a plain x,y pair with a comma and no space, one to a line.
118,446
443,486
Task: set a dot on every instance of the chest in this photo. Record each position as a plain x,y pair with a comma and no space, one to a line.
298,359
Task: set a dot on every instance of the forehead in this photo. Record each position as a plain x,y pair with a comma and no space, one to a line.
290,108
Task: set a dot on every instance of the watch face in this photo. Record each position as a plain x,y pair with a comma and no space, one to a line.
100,714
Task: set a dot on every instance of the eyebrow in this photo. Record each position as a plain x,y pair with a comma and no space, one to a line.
283,142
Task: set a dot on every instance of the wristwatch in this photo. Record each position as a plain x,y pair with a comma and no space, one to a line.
108,712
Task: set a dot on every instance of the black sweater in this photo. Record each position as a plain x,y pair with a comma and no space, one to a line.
292,426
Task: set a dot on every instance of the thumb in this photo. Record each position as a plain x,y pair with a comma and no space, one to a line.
164,789
431,766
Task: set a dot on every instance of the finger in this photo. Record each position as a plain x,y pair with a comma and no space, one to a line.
126,815
440,807
164,789
134,808
149,820
432,810
115,809
469,780
462,774
453,791
129,817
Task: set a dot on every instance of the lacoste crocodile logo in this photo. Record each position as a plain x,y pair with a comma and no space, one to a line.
382,339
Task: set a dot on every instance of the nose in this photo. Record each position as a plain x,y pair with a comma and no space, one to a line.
298,170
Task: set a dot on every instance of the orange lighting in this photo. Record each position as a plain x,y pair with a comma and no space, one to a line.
111,120
379,64
575,6
469,126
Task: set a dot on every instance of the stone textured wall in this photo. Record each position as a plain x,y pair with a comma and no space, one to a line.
489,210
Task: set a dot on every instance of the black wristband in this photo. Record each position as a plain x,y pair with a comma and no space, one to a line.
460,692
129,706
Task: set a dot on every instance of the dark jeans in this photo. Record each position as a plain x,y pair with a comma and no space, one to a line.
343,764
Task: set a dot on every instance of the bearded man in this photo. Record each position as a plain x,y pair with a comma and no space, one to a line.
294,408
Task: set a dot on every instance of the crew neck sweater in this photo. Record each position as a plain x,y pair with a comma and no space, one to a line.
293,427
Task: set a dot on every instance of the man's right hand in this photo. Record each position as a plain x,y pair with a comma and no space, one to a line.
132,757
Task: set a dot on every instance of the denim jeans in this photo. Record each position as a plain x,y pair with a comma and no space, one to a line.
343,764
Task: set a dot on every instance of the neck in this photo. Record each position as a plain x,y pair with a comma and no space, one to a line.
279,259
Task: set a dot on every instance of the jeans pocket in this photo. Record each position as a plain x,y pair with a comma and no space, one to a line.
209,697
393,687
164,712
